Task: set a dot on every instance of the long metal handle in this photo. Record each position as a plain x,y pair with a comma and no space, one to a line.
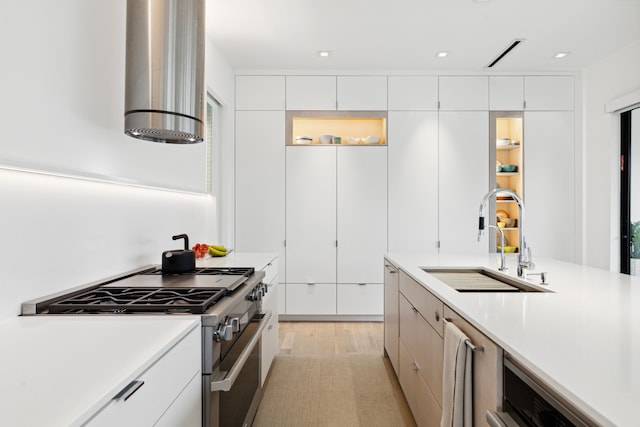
233,373
128,391
500,419
467,341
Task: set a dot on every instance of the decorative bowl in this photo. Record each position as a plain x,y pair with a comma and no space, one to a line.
325,139
508,168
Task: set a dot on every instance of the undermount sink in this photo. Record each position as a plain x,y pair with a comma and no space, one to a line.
479,279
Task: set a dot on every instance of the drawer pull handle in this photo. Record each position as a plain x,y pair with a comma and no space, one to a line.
437,316
414,366
415,310
362,284
128,391
270,327
311,284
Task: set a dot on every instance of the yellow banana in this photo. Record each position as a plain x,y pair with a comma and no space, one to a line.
214,252
218,248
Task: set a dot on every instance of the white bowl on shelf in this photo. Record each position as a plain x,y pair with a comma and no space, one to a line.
352,140
503,142
304,140
371,140
325,139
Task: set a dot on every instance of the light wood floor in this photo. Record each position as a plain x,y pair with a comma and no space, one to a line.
349,358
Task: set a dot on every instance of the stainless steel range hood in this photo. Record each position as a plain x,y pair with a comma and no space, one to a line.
164,82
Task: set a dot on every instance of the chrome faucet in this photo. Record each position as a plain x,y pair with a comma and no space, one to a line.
525,261
503,266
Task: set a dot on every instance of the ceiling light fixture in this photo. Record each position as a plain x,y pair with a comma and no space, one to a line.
504,53
442,54
324,53
560,55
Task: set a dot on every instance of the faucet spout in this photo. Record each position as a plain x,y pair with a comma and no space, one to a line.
524,256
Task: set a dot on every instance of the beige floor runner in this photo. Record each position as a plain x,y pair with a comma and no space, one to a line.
328,391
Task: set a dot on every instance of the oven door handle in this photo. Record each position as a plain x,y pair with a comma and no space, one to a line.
500,419
233,373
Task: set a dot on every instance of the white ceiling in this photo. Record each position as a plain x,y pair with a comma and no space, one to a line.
406,34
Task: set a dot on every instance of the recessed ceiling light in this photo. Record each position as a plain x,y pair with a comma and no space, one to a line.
560,55
324,53
442,54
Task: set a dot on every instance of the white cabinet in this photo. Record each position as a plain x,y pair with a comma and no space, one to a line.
311,93
550,184
506,93
463,179
464,93
360,298
413,181
311,298
413,93
362,93
549,93
336,229
310,215
362,214
270,301
260,93
260,183
167,386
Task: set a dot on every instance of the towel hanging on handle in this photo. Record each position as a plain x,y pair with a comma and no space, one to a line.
457,379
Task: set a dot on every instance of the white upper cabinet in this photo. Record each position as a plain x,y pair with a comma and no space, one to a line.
362,93
260,92
549,93
506,93
413,180
463,179
464,93
311,92
413,93
362,213
310,214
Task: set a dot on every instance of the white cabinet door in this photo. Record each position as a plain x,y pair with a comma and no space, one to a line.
464,93
549,93
506,93
413,181
360,298
186,410
260,183
311,92
311,215
413,93
362,213
260,93
269,340
309,299
464,179
550,184
154,391
362,92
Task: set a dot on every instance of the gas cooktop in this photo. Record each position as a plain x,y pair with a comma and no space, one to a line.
149,291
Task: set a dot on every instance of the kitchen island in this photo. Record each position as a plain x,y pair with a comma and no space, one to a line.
582,339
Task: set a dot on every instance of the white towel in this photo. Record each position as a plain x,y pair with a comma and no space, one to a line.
457,379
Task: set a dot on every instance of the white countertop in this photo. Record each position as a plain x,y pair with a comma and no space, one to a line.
60,370
583,339
256,260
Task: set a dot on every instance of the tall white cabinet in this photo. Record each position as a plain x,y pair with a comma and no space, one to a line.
336,229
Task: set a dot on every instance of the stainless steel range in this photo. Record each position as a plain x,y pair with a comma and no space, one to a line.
228,299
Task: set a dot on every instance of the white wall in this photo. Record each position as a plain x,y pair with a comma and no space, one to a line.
55,232
610,78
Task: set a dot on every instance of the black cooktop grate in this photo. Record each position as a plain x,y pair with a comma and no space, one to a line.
114,300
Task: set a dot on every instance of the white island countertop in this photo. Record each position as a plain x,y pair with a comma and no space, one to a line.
582,339
60,370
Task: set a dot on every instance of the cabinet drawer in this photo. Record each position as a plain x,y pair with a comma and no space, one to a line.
303,298
424,407
429,306
162,383
425,346
365,298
